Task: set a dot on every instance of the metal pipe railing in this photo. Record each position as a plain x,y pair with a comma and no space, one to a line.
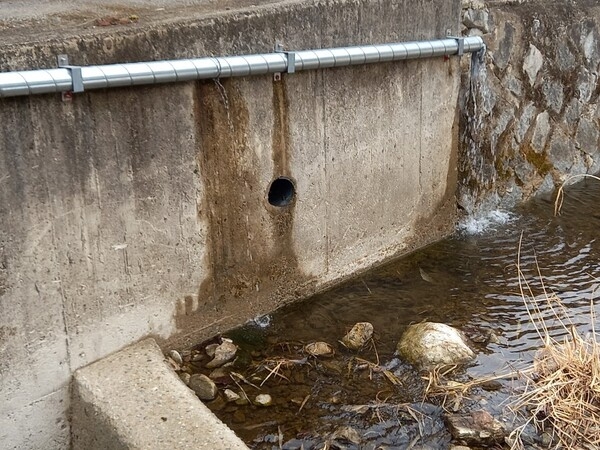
79,79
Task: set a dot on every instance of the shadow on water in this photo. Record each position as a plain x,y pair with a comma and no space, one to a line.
468,281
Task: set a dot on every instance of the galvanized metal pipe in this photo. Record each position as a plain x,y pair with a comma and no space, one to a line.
78,79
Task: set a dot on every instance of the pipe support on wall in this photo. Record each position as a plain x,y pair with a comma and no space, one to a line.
44,81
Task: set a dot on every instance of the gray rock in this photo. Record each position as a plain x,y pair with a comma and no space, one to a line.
224,353
473,4
554,93
185,377
210,350
358,336
477,18
513,84
220,372
573,111
590,47
533,63
263,400
586,84
478,428
587,135
561,151
175,356
474,32
231,396
525,122
505,119
427,345
540,132
347,434
565,58
203,386
506,37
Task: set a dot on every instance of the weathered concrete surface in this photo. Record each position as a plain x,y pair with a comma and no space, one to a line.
133,400
536,116
136,212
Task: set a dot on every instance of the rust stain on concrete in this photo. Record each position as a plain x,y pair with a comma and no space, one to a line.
253,267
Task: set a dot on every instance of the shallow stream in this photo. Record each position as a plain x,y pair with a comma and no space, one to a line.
468,281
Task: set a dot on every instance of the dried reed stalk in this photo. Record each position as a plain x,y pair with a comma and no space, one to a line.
562,395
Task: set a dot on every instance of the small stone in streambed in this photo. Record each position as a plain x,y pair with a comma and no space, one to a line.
220,373
185,377
358,336
210,350
176,367
243,400
195,357
263,400
218,404
478,428
224,353
231,396
491,386
175,356
319,349
348,434
203,386
239,416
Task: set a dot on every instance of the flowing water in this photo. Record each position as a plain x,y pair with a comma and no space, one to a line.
468,281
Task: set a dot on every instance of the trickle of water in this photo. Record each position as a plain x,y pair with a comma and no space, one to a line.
477,162
223,94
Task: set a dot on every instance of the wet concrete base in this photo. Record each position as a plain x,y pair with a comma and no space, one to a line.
133,400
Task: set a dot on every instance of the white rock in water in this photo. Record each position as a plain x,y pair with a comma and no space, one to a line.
358,336
263,400
319,349
427,345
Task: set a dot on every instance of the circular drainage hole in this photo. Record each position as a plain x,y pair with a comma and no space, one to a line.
281,192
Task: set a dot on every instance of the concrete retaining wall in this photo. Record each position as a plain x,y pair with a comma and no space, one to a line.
136,212
536,117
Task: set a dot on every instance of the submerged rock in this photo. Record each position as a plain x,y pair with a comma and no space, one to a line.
358,336
231,396
203,386
185,377
478,428
319,349
347,434
427,345
224,353
263,400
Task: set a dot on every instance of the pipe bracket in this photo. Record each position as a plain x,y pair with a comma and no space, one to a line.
460,41
290,57
75,71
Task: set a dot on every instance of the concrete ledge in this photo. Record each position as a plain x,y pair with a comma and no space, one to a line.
133,400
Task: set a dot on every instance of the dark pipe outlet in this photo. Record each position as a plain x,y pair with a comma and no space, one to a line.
281,192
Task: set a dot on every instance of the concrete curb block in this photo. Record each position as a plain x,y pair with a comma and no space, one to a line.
133,400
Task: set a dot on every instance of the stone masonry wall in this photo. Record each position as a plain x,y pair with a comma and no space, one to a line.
530,115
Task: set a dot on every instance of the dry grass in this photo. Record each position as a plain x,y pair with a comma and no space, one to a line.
562,395
560,196
452,392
